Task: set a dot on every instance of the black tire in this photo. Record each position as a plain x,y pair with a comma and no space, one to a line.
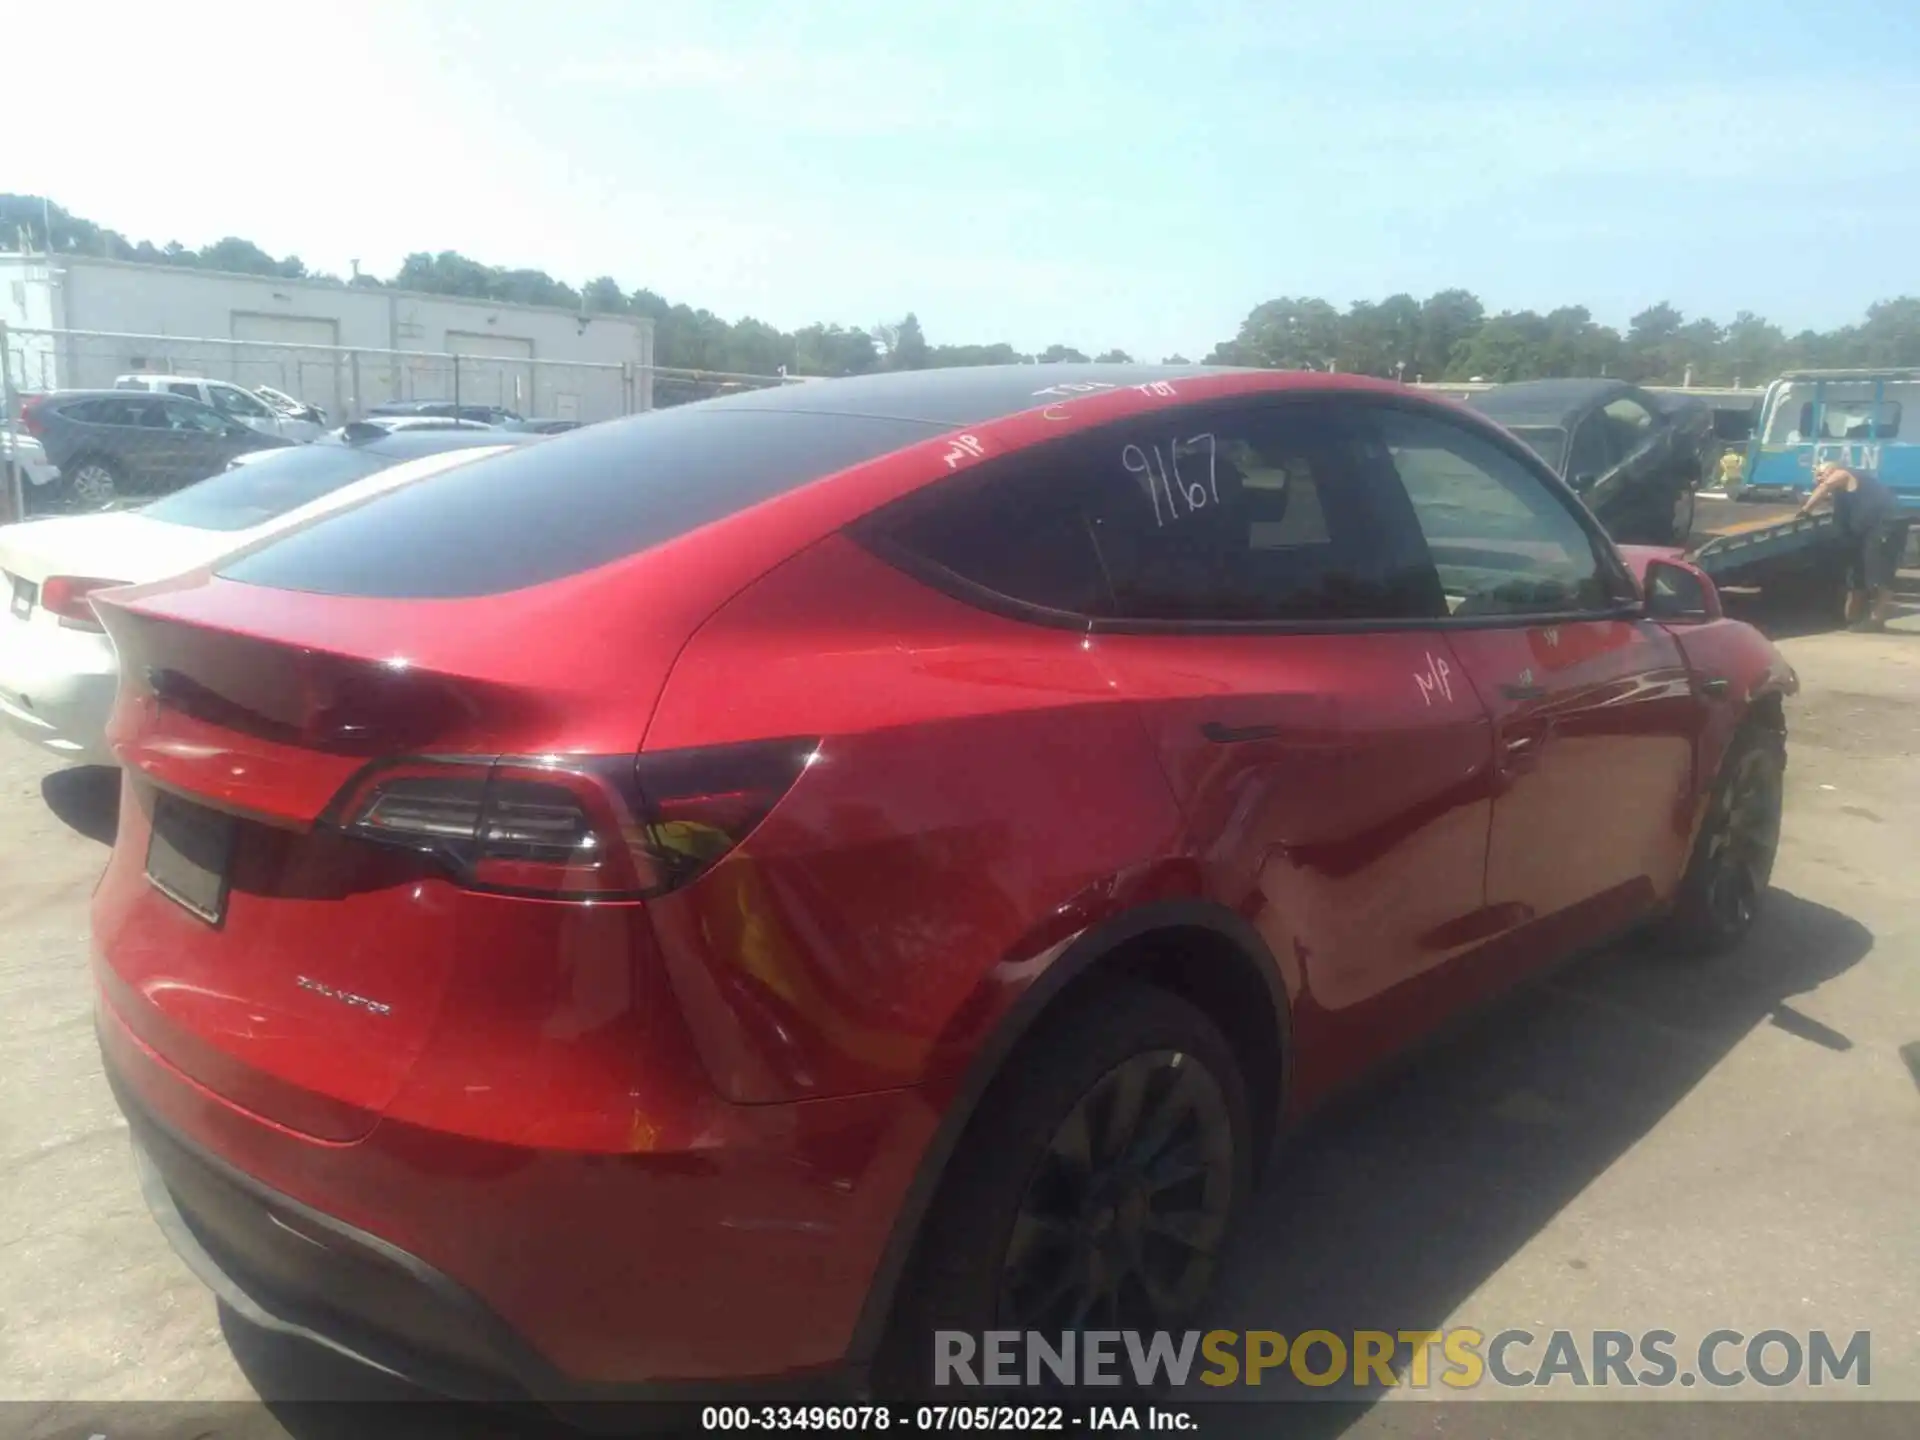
91,482
1725,887
1015,1215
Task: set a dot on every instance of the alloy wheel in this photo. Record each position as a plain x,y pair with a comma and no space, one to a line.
94,485
1121,1221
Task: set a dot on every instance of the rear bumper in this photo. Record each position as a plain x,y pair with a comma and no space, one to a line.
57,687
562,1279
287,1268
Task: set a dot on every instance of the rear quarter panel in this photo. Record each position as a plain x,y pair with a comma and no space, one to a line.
982,796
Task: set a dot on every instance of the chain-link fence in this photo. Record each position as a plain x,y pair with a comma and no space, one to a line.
182,408
344,383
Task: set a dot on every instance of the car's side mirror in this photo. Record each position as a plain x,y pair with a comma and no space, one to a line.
1679,594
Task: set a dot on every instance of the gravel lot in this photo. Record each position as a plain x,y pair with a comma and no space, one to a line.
1631,1144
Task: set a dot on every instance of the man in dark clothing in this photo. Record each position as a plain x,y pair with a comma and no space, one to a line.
1869,516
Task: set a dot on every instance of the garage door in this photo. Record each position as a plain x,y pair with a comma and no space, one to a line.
312,375
494,369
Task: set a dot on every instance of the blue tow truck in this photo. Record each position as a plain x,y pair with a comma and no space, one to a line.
1808,417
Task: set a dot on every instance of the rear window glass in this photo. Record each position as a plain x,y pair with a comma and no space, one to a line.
262,489
1852,420
569,504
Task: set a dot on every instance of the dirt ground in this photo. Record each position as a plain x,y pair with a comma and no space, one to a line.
1632,1144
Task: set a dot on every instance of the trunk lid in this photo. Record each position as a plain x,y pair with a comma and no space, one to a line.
121,546
312,989
263,702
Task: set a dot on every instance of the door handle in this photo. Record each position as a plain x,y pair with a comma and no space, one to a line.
1233,734
1524,692
1521,744
1715,685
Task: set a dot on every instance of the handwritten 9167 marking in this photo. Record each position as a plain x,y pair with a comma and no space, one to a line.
1180,492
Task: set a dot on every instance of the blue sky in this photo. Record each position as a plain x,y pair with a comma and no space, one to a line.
1127,172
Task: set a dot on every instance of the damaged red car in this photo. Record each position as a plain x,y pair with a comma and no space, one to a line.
715,896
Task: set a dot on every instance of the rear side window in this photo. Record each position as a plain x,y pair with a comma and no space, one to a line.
1254,515
133,409
1242,515
569,504
1017,530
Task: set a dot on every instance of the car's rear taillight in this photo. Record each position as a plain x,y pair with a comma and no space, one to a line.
31,418
575,827
65,596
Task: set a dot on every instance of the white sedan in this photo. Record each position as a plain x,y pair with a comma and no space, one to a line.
26,453
58,672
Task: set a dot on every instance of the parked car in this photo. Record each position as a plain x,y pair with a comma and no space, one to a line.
1633,457
233,401
37,473
57,668
359,432
485,414
717,894
397,423
109,445
542,427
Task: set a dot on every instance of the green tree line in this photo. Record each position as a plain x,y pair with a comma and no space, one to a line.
1447,336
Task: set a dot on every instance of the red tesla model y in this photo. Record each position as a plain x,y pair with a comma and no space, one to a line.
701,897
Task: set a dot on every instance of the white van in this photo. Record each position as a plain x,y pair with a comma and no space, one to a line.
235,402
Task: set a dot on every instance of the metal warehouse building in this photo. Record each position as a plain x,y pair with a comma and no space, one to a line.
78,322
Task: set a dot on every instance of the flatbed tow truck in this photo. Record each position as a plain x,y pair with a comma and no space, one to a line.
1766,546
1850,417
1770,547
